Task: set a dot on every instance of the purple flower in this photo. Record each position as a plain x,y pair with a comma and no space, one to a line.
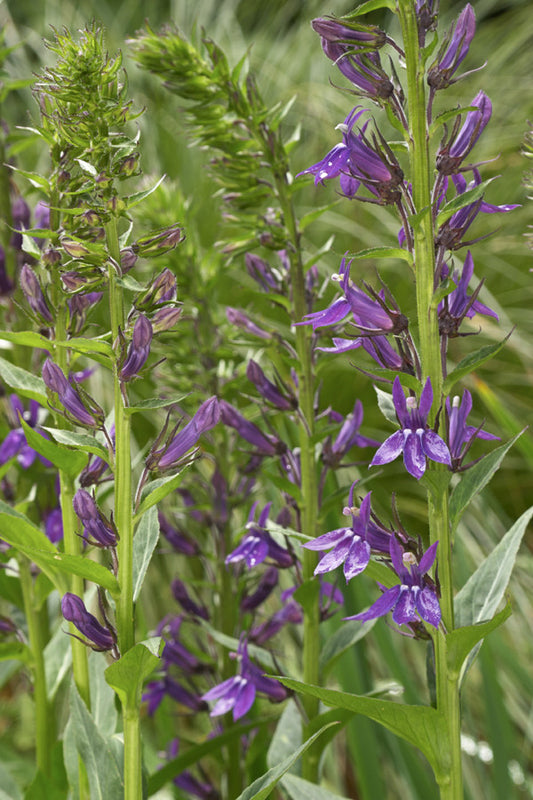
351,546
267,389
458,304
33,292
53,525
461,435
157,690
15,443
241,320
182,596
258,545
139,349
291,613
452,154
348,437
97,529
454,49
181,441
263,444
265,587
238,694
415,439
78,406
414,596
73,609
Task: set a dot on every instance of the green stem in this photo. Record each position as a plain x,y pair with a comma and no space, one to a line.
309,484
424,252
44,722
132,752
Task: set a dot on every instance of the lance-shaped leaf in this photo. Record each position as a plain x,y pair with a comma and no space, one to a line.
23,382
297,788
127,675
463,643
483,592
472,362
475,479
144,543
422,726
81,441
261,788
69,461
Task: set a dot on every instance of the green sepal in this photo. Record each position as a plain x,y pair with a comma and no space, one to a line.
261,788
472,362
475,479
422,726
127,675
25,383
71,462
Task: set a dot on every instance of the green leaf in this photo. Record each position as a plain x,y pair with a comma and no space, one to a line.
371,5
104,771
386,405
446,115
350,632
69,461
27,338
462,641
298,788
261,788
155,491
287,736
25,383
475,479
315,214
144,543
483,592
53,785
103,707
384,252
422,726
17,651
81,441
75,565
127,675
462,200
409,381
472,362
87,346
138,197
194,754
57,661
154,402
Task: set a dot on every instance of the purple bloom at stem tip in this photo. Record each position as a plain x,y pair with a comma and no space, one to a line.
461,435
414,596
238,694
415,439
454,49
452,154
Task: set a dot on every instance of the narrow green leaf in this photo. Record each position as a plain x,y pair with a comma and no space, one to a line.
447,115
69,461
57,660
287,736
17,651
25,383
384,252
483,592
155,491
87,346
475,479
422,726
372,5
144,543
462,641
261,788
194,754
298,788
350,632
138,197
472,362
386,405
153,402
462,200
81,441
26,338
78,565
96,752
315,214
127,675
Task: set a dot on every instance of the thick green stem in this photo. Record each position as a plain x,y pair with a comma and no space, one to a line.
430,354
44,722
132,753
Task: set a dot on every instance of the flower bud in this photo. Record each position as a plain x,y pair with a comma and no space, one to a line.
139,349
97,529
73,609
33,292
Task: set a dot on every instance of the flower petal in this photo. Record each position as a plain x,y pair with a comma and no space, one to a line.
405,610
357,558
428,607
435,448
381,607
328,540
389,450
413,455
333,559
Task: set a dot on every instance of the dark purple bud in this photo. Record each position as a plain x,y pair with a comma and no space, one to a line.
164,319
139,349
291,613
241,320
267,389
265,587
178,444
53,525
162,290
7,625
97,529
262,273
263,444
349,33
159,242
182,596
100,638
128,257
454,49
176,538
31,286
86,411
452,154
